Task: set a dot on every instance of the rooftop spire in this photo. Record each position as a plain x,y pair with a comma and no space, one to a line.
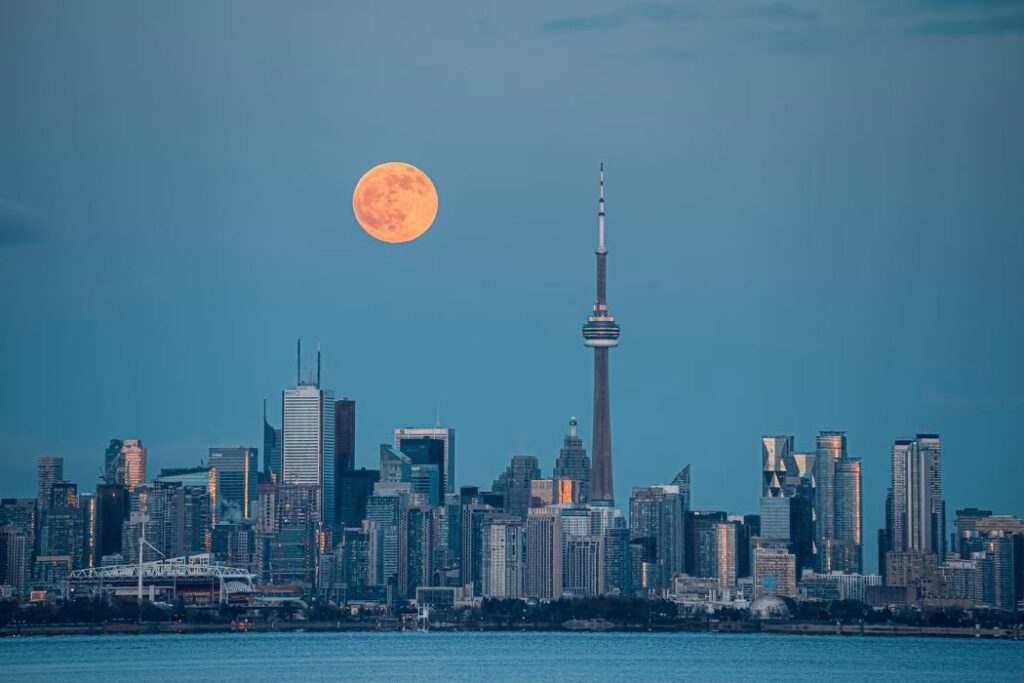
600,213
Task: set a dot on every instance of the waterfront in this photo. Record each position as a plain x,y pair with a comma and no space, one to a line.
562,657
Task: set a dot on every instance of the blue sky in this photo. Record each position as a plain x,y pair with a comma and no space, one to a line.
815,222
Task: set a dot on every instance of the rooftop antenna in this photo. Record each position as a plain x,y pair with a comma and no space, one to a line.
298,362
438,422
318,364
264,411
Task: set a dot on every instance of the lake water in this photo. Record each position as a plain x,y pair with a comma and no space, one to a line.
504,656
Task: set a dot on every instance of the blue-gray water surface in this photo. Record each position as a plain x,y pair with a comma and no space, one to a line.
561,657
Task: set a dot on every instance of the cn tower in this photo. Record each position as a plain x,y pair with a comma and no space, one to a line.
601,333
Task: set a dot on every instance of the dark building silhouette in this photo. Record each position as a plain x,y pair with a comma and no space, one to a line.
514,484
427,451
344,434
112,508
354,487
271,448
692,524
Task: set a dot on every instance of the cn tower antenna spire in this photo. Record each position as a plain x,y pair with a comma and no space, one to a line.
600,214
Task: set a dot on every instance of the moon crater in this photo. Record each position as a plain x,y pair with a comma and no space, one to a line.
395,202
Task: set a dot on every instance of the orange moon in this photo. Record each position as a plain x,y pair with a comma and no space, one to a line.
395,202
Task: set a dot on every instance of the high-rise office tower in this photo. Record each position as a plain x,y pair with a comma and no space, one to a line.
271,448
133,455
601,333
344,434
573,463
61,523
837,505
112,509
354,487
21,513
543,554
931,447
747,527
693,522
15,559
425,456
515,483
416,439
288,519
113,467
717,557
656,512
914,508
307,444
414,552
682,480
344,447
49,472
504,554
846,551
787,496
916,496
583,573
617,565
237,486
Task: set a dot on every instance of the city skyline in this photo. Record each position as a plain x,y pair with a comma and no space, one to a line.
809,234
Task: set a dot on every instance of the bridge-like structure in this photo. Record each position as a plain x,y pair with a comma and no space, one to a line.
191,574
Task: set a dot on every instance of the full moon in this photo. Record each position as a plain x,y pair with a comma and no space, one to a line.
395,202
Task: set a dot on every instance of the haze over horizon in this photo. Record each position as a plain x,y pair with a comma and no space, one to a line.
815,222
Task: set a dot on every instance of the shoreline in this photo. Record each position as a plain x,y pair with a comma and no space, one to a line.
847,630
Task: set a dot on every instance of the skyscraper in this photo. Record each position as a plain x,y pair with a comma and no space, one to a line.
573,463
913,504
307,446
656,512
543,579
344,434
601,333
914,508
344,447
846,552
682,480
354,487
717,557
837,505
112,508
271,448
112,465
49,472
236,480
931,447
412,438
133,455
787,496
514,484
504,550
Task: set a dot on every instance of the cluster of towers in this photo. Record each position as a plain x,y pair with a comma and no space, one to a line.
309,518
